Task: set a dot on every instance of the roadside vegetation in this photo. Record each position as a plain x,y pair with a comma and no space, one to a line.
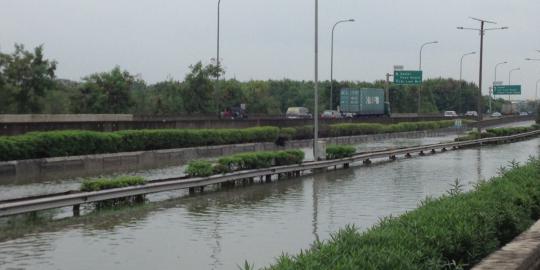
496,132
454,231
339,151
75,142
29,85
111,183
244,161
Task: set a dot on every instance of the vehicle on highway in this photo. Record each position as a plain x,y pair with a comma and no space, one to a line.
298,113
347,115
363,102
496,114
450,114
471,113
523,114
330,114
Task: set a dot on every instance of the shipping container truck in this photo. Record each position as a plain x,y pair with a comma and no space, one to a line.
363,102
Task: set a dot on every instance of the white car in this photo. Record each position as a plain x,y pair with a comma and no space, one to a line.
471,113
523,114
450,114
496,114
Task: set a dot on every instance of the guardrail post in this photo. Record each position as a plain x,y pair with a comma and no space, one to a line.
268,178
422,153
191,190
76,210
408,155
433,151
393,157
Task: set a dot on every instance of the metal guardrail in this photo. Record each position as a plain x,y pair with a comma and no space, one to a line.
57,201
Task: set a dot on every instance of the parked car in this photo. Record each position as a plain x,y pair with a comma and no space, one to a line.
297,113
450,114
523,114
330,114
496,114
471,113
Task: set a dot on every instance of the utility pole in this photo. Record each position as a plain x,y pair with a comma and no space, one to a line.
461,77
387,91
217,63
420,69
482,31
316,90
332,63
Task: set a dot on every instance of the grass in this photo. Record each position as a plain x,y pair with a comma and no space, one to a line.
454,231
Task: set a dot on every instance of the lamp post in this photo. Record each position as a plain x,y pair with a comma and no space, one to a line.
494,80
217,60
536,92
482,31
510,74
316,90
332,62
420,68
461,77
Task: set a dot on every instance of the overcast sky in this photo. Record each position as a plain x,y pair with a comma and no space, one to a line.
273,39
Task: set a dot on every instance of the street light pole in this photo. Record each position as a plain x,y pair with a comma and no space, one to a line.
494,80
461,77
332,62
420,68
482,31
316,105
217,60
510,74
536,93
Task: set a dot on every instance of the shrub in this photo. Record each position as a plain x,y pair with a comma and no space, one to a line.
108,183
455,231
71,143
199,168
259,160
339,151
496,132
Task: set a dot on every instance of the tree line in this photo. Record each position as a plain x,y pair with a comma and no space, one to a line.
28,84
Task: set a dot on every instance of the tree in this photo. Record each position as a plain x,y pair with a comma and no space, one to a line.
25,78
107,92
199,91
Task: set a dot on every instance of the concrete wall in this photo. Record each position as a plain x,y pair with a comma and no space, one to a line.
523,253
24,171
47,118
9,125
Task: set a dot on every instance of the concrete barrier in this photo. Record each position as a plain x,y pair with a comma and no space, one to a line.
523,253
22,171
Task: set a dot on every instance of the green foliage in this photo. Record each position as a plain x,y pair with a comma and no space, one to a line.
496,132
71,143
259,160
25,79
108,183
455,231
199,168
339,151
365,128
107,92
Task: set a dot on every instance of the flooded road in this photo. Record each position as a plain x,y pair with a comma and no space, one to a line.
219,230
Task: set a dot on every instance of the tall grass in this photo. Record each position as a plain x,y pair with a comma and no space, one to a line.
454,231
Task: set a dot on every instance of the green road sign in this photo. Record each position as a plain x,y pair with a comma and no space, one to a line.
507,90
409,77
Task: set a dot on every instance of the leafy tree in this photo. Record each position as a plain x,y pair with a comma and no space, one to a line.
199,93
25,79
107,92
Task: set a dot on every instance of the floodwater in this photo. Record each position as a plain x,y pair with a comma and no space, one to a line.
257,223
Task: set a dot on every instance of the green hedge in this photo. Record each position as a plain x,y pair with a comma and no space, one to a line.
452,232
245,161
108,183
339,151
71,143
496,132
199,168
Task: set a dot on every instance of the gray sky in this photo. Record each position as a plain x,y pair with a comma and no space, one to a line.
273,39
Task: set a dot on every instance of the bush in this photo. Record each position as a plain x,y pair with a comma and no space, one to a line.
259,160
199,168
71,143
455,231
339,151
365,128
496,132
107,183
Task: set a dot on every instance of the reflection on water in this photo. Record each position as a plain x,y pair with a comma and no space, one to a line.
219,230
